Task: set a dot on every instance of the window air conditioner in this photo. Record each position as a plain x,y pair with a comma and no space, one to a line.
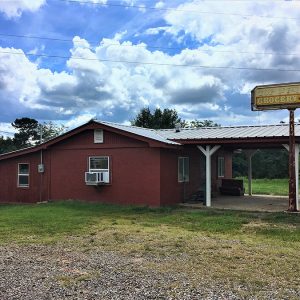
96,178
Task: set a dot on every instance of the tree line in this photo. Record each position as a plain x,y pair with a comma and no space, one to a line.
29,132
266,163
166,119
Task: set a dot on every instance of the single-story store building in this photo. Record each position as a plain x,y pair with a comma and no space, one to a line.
114,163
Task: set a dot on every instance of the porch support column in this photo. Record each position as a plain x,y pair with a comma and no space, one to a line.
249,154
208,152
297,148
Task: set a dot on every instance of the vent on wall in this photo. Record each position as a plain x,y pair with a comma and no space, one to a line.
98,136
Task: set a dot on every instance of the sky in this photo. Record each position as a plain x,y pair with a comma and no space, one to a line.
70,61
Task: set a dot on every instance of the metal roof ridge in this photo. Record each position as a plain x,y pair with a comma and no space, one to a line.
238,126
130,126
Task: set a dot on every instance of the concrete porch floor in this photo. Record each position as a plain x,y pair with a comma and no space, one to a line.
247,203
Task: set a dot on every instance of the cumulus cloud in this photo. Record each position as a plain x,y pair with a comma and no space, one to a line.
95,86
15,8
99,82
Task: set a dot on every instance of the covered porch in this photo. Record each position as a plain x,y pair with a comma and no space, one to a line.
262,203
209,141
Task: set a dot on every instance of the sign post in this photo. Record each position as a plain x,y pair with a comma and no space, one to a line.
292,175
281,96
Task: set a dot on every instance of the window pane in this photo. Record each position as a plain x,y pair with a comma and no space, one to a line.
23,180
98,163
183,169
23,168
180,169
186,171
221,166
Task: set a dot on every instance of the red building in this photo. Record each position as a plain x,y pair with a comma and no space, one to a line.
112,163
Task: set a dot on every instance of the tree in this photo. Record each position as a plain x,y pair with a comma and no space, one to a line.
30,132
266,163
50,130
143,119
205,123
27,132
159,119
6,145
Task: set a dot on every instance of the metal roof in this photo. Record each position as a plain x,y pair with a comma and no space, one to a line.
229,132
236,132
145,132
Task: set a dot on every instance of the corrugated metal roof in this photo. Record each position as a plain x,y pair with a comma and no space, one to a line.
236,132
145,132
206,133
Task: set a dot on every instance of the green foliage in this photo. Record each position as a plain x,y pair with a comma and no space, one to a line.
51,130
205,123
29,133
166,119
266,163
7,145
159,119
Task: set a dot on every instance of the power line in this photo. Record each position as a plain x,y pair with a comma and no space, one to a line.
146,46
142,7
152,63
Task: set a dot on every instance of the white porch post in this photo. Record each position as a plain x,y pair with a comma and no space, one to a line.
297,148
208,152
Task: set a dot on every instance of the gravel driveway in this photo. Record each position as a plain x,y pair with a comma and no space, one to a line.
57,272
54,272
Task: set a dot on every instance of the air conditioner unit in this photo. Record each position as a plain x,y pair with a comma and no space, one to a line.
96,178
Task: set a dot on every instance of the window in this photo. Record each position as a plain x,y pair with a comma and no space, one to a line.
23,175
221,166
100,164
98,136
183,169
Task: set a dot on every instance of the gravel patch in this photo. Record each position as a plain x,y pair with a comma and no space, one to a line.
57,272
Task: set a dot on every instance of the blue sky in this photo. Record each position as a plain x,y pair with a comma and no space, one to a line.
69,62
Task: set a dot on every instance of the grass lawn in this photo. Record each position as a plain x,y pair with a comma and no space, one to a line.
259,251
278,187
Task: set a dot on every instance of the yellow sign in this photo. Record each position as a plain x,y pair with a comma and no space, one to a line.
276,96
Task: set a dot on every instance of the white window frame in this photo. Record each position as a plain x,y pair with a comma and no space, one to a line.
185,160
221,166
100,170
22,174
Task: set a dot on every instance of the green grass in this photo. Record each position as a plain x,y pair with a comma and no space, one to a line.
278,187
54,221
231,248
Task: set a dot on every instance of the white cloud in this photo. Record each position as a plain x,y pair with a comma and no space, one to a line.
6,130
79,120
93,86
159,4
15,8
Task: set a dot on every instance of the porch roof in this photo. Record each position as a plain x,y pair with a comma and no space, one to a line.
258,132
